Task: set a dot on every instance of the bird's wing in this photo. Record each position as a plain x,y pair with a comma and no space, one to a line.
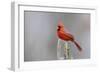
66,36
69,35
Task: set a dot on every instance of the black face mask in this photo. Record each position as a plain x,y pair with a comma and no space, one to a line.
58,28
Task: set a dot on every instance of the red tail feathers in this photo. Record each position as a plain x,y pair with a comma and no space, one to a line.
78,46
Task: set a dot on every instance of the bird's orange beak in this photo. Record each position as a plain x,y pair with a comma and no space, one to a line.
57,27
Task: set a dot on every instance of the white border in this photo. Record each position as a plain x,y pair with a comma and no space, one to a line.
18,37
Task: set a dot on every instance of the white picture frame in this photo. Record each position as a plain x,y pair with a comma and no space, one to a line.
17,35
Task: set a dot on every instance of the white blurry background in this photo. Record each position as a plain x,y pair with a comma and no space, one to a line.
5,35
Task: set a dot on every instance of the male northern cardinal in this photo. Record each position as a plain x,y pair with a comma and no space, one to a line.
66,36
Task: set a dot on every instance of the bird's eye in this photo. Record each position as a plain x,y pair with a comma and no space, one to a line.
58,26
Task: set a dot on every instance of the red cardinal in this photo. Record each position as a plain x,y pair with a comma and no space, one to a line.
66,36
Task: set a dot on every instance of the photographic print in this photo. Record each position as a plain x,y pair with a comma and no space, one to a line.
56,36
